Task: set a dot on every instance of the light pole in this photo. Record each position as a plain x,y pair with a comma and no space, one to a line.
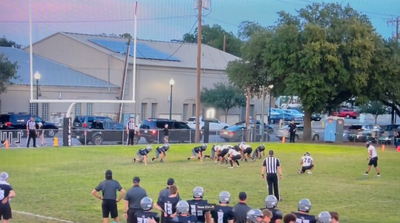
37,78
171,83
269,107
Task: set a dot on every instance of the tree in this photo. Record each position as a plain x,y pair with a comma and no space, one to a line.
375,108
126,36
214,36
8,71
247,29
223,96
323,55
9,43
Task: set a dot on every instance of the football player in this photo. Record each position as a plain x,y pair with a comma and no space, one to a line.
161,150
197,152
146,214
245,149
303,208
324,217
183,214
289,218
234,156
212,156
221,153
258,151
307,163
222,213
372,159
142,155
271,203
168,204
335,216
258,216
198,194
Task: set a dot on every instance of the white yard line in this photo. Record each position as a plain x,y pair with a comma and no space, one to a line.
42,217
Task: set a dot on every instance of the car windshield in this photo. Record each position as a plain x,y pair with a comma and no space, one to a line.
295,111
235,127
191,119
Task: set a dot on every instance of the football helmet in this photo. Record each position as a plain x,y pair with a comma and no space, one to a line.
224,197
253,214
182,207
262,146
198,192
324,217
204,146
304,205
271,201
149,148
146,204
307,154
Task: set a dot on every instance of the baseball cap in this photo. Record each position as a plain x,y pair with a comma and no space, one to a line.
3,176
170,181
108,173
136,179
242,196
271,152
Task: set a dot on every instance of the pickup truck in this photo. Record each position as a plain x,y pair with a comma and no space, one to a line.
347,113
103,131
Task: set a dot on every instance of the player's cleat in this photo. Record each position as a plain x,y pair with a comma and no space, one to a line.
152,159
134,160
231,167
378,175
309,172
188,158
198,158
245,160
162,161
365,174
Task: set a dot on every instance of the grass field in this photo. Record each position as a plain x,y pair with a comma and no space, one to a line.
57,182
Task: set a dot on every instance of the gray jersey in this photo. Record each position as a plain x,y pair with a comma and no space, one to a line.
134,196
109,189
240,212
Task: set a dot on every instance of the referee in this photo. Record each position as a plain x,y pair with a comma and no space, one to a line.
31,128
272,166
130,130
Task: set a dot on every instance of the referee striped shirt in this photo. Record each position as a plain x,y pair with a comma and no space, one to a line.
31,125
271,164
131,125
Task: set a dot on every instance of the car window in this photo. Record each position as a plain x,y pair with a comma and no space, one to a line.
37,119
216,120
4,118
97,125
90,119
300,128
144,126
161,124
119,126
191,119
234,128
355,127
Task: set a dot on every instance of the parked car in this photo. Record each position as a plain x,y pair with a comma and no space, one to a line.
316,117
86,121
237,133
267,128
284,132
151,130
15,122
215,125
363,133
274,111
296,112
103,131
346,113
388,134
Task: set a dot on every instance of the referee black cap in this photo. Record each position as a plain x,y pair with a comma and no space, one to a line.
108,174
271,152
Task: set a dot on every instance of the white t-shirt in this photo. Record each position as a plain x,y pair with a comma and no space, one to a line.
244,146
307,160
233,152
372,148
225,147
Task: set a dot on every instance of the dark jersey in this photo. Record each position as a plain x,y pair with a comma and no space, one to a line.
144,216
260,148
168,205
276,214
5,189
201,215
144,152
222,214
162,149
185,219
305,218
236,147
198,149
224,152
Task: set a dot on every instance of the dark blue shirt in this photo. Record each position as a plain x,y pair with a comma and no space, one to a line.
185,219
5,189
222,214
168,204
144,216
144,151
305,218
201,215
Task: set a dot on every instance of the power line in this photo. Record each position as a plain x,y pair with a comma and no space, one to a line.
395,22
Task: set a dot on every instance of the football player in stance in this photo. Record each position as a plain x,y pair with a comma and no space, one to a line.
212,156
221,153
198,194
302,215
142,155
222,212
146,214
307,163
258,216
234,156
245,150
161,150
258,152
197,152
183,214
324,217
271,203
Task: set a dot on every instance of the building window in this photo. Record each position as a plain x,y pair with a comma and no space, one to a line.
89,109
252,112
32,109
45,111
185,112
78,109
153,110
193,109
143,111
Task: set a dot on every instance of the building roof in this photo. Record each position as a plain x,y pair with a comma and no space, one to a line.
170,54
52,73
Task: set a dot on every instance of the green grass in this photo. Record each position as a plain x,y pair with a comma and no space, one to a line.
57,182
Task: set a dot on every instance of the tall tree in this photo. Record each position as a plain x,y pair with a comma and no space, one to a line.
248,28
8,71
323,55
125,35
214,36
223,96
375,108
9,43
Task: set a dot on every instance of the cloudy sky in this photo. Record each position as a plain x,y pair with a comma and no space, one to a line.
158,19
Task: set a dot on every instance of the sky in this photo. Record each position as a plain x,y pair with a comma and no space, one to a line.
159,19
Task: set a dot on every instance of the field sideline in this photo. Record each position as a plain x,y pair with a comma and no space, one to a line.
56,182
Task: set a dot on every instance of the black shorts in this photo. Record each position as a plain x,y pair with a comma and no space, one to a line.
222,153
109,207
248,150
5,212
132,216
373,162
237,157
304,168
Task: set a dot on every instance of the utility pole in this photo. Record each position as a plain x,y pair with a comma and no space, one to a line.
224,44
396,23
248,101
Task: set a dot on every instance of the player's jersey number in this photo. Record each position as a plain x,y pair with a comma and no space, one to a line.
302,221
143,220
168,208
220,217
308,161
195,212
